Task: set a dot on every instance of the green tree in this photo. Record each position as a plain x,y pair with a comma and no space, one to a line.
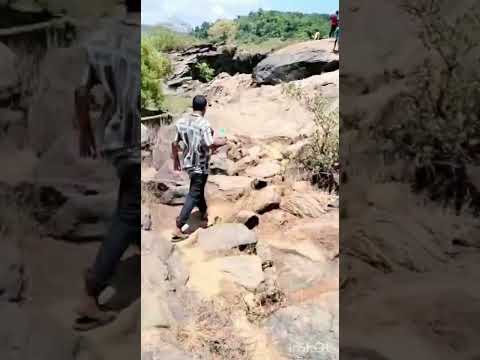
223,31
201,32
154,68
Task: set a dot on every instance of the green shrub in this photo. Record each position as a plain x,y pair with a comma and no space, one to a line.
166,40
204,72
321,156
223,31
154,68
439,132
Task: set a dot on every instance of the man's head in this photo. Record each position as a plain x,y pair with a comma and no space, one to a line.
200,104
336,12
133,6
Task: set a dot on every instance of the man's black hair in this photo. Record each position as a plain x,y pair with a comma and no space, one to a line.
199,103
133,6
336,12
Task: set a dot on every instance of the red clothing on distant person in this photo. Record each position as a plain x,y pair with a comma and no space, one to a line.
334,20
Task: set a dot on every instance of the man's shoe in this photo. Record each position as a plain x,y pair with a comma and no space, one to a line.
178,235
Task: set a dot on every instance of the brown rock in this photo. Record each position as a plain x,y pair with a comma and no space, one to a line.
304,204
248,218
263,201
265,170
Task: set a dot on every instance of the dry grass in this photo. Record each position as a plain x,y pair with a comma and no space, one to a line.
212,332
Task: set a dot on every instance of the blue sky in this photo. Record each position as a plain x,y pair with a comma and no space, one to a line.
195,12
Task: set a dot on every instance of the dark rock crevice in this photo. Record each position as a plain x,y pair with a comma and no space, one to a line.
224,59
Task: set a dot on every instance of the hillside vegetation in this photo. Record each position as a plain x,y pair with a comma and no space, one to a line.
260,26
154,68
260,31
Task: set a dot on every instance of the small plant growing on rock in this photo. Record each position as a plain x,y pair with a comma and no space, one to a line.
321,155
439,133
205,72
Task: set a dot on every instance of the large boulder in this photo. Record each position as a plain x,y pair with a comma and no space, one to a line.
263,201
220,164
296,62
244,270
305,204
307,331
164,186
231,187
224,237
264,170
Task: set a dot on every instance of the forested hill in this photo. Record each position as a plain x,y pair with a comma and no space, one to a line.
262,25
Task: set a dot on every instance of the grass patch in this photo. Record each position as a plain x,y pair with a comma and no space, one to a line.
266,46
166,40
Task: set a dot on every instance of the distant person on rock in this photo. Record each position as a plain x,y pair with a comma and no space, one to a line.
114,63
334,20
337,40
194,136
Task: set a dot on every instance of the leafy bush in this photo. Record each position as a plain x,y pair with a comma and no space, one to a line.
154,68
205,72
166,40
223,31
321,156
440,133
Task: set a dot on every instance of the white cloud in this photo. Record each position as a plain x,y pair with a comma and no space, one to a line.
155,11
218,10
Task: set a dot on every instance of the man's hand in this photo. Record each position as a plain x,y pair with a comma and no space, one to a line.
175,158
218,143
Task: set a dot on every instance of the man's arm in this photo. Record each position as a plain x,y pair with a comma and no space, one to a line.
175,150
82,111
218,143
211,142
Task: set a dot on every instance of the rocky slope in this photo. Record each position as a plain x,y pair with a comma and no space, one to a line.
262,281
245,288
412,249
55,208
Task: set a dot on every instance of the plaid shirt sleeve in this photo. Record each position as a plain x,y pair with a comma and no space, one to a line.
207,135
178,138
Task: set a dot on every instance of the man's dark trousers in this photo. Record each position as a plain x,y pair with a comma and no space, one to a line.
332,30
124,230
195,198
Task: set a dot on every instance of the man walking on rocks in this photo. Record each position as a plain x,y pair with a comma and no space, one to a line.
333,23
114,63
337,40
194,136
